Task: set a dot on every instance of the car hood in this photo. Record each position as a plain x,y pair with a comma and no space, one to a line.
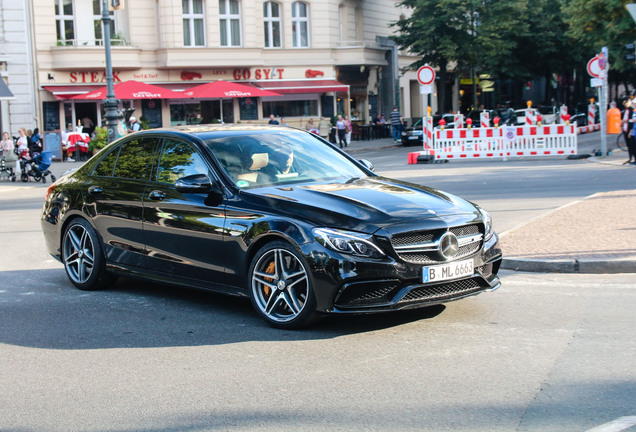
360,204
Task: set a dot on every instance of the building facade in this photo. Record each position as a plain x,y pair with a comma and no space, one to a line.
17,67
323,58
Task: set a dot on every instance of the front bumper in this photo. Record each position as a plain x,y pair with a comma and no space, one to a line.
353,286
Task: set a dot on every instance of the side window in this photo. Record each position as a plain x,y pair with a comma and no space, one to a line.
177,160
107,164
135,159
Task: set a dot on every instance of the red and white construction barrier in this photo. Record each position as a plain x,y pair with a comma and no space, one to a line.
588,128
550,140
428,153
484,119
591,114
563,112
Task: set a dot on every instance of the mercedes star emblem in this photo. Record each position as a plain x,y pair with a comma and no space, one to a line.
448,245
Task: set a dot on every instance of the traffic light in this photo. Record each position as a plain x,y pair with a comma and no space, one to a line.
631,52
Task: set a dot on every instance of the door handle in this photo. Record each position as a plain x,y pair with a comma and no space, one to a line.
157,195
95,190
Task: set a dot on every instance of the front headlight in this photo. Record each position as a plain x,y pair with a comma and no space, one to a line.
487,224
348,242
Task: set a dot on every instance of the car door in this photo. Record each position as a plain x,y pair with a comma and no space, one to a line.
184,231
114,199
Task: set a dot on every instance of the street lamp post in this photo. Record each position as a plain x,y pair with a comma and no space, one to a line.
111,103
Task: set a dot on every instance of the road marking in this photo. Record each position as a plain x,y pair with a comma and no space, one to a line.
620,424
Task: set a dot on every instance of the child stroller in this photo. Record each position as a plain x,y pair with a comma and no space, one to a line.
37,167
6,166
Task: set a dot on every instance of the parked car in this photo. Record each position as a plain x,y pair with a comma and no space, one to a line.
276,214
549,113
413,135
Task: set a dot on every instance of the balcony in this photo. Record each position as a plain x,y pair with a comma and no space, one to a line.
74,54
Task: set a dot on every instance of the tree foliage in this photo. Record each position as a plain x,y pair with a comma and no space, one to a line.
520,39
597,23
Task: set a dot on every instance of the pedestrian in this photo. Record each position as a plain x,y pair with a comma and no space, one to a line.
23,142
35,147
6,145
341,127
311,127
349,128
324,127
631,142
283,121
628,130
134,125
87,125
396,124
272,120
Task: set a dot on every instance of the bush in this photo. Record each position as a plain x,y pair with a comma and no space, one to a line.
99,141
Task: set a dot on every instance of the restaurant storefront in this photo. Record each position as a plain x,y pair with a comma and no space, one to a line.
303,92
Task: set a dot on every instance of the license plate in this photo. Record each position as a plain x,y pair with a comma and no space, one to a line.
413,137
452,270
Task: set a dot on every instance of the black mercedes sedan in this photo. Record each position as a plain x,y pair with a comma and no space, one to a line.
269,212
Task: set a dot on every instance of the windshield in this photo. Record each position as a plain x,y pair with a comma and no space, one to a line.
280,158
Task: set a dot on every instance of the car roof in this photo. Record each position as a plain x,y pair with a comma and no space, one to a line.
210,131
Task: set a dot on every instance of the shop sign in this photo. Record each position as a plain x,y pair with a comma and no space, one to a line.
189,76
92,77
258,74
310,73
145,75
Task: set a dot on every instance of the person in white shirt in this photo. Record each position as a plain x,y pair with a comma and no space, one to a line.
134,125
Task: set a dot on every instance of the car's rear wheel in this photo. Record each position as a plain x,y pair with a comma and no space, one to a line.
83,257
281,288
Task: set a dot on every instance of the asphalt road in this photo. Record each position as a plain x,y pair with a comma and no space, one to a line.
546,352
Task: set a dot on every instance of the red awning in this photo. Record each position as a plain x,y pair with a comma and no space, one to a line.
224,89
132,90
70,91
303,86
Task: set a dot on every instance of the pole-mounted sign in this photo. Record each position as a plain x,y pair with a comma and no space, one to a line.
426,75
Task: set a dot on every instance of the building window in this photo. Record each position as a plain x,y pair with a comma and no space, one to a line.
230,23
271,16
65,23
300,24
306,107
98,25
193,25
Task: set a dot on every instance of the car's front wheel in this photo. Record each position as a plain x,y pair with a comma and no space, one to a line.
281,288
83,257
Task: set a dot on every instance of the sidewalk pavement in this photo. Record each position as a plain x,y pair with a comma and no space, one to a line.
593,235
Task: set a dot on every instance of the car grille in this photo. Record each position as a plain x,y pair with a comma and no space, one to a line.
445,290
367,293
385,293
420,247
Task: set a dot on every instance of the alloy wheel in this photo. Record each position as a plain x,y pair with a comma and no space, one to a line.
280,285
79,254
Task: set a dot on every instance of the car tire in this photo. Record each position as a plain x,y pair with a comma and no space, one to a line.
286,299
83,257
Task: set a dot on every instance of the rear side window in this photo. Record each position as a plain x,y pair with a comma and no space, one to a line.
179,159
136,158
106,166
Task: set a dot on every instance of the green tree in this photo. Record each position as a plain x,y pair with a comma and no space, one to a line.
439,33
459,35
597,23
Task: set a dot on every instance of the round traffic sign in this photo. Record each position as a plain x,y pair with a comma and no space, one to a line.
594,67
426,75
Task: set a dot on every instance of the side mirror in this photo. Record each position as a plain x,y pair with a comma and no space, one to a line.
196,183
367,164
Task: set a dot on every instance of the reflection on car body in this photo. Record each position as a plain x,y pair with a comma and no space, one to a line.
272,213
